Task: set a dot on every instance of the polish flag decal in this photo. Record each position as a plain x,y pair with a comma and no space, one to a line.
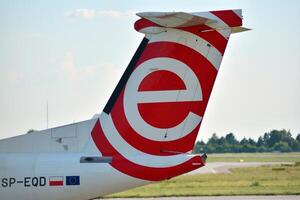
56,181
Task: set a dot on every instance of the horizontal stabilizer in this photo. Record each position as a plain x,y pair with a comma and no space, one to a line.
216,20
239,29
175,19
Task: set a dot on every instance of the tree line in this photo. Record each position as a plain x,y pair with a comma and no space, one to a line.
273,141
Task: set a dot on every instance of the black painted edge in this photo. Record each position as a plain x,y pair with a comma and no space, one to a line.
113,98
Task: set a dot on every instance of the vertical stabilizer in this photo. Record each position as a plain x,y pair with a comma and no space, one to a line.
157,107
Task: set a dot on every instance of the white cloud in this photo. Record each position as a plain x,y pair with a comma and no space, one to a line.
72,71
91,14
15,76
84,13
115,13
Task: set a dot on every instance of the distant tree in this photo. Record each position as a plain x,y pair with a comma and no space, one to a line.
262,149
260,142
249,148
221,141
252,142
266,138
209,148
199,147
202,143
276,136
298,137
230,139
275,140
214,139
236,148
282,147
244,141
295,145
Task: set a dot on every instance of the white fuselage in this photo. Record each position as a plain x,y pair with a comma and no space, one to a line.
64,163
26,176
55,154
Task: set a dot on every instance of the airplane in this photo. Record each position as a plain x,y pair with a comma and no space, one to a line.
147,129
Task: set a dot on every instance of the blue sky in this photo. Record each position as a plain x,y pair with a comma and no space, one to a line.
72,54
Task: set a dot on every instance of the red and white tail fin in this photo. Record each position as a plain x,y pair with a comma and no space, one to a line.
158,105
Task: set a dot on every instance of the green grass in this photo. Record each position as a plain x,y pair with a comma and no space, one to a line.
254,157
267,180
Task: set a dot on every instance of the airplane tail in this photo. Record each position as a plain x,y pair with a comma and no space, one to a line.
152,119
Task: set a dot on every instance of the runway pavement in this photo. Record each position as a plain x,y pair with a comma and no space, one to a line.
290,197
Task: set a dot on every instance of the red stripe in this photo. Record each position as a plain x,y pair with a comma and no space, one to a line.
56,183
206,74
212,36
145,145
229,17
144,23
163,115
156,81
138,171
215,39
